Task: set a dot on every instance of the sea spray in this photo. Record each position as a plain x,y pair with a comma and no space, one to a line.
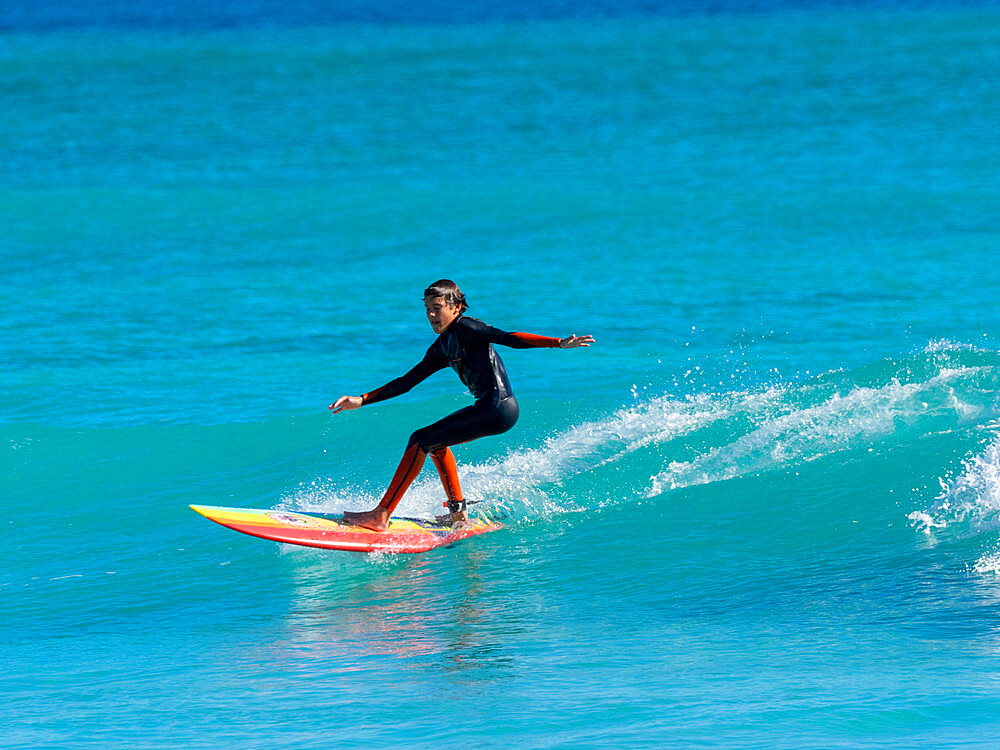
666,443
968,504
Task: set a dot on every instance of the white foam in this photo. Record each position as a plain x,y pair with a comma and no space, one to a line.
516,484
838,423
989,563
971,501
946,345
803,434
753,432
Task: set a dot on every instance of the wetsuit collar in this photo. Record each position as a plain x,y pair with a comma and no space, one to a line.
451,324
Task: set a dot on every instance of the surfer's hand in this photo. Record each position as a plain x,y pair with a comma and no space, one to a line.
572,342
346,403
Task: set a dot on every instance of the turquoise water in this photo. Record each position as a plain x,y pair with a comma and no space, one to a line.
762,511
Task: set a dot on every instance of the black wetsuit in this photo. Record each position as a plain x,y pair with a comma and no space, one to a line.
467,347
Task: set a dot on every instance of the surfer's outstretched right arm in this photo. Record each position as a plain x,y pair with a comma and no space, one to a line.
426,367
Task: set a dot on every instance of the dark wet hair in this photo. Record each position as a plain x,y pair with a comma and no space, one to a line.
448,289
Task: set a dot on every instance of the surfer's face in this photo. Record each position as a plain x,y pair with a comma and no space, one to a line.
439,314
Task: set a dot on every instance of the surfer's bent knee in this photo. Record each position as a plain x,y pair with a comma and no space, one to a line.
419,439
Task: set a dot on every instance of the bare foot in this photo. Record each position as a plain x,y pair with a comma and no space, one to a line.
376,519
455,520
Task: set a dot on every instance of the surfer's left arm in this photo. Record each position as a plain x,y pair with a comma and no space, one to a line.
521,340
532,341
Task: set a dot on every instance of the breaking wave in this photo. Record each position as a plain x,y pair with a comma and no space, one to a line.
643,452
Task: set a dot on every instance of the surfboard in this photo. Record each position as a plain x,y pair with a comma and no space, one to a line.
328,531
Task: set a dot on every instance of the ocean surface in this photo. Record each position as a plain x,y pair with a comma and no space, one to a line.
763,511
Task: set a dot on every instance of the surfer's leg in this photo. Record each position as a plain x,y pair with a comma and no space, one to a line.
377,519
459,427
406,472
465,425
444,462
457,515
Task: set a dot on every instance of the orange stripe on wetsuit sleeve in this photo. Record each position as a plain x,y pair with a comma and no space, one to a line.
540,341
372,397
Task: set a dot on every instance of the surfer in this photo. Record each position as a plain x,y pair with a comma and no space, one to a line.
466,345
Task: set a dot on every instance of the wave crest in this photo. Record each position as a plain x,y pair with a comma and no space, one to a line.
971,501
648,449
